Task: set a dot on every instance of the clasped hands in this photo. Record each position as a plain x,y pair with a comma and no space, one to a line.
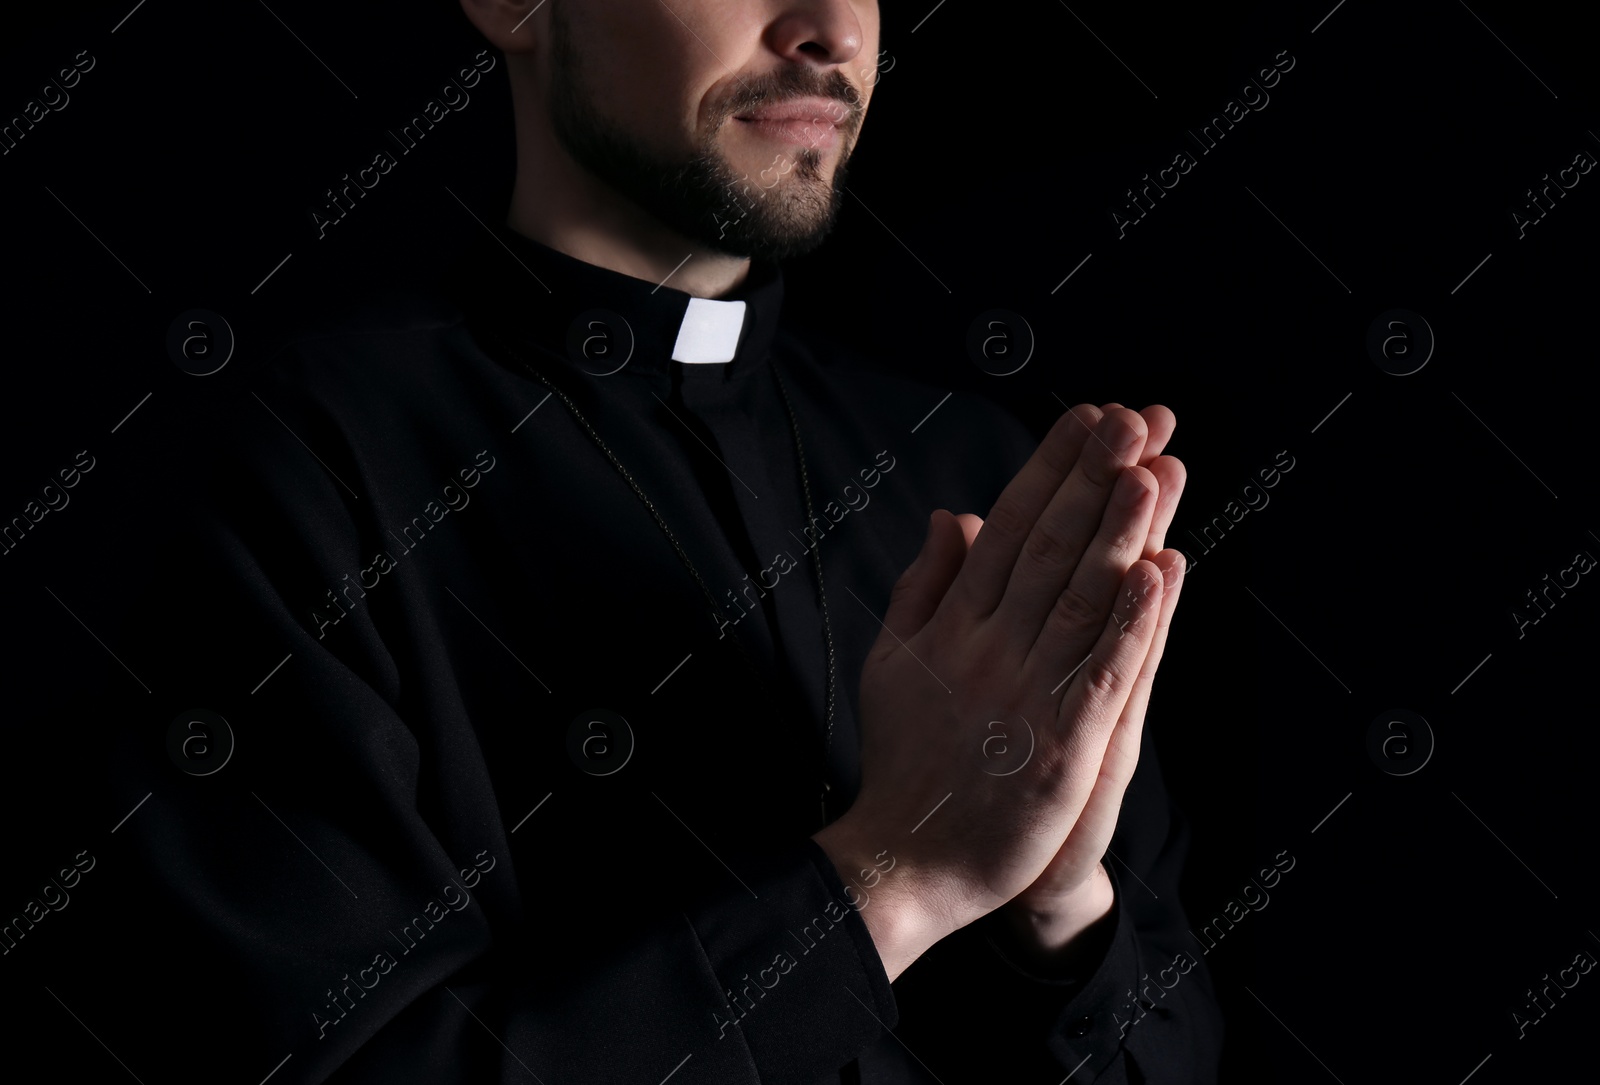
1054,609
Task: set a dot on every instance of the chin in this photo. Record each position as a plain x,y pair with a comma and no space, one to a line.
772,246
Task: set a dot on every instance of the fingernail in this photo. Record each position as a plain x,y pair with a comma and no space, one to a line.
1130,489
1175,573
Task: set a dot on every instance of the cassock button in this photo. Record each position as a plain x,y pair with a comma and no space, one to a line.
1081,1027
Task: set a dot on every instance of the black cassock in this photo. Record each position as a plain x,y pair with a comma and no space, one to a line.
506,798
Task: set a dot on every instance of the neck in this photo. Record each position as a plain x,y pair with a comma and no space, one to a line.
557,203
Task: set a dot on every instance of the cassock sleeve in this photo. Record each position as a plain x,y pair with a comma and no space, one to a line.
1149,1012
325,888
1142,1010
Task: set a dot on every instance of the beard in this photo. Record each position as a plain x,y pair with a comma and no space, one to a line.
702,195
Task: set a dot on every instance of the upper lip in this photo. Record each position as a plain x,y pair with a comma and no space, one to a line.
800,109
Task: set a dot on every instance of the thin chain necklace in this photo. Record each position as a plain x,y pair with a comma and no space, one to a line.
805,489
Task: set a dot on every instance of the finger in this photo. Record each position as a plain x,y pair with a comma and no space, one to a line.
1099,817
1171,477
1171,564
1161,422
1099,689
1089,842
971,524
916,594
994,551
1063,532
1063,629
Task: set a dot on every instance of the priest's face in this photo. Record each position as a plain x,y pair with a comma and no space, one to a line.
731,121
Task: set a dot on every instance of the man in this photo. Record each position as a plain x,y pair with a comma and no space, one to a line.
611,737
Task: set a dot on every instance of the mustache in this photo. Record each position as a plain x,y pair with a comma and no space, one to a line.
797,83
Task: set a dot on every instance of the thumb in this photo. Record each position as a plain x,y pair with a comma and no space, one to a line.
916,594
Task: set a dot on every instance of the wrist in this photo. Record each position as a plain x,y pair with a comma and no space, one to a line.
902,912
1062,933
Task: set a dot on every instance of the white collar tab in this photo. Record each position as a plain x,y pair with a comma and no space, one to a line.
709,332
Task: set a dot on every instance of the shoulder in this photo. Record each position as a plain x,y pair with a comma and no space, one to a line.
339,410
382,386
378,341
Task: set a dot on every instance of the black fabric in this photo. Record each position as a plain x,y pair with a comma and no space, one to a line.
421,862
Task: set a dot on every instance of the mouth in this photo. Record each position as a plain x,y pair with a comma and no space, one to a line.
811,122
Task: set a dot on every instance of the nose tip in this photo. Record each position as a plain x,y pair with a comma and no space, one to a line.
818,34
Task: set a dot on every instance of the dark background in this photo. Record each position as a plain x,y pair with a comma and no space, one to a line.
1384,569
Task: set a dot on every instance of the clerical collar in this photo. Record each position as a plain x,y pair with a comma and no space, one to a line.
573,314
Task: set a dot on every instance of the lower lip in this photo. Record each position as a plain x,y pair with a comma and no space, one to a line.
819,135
